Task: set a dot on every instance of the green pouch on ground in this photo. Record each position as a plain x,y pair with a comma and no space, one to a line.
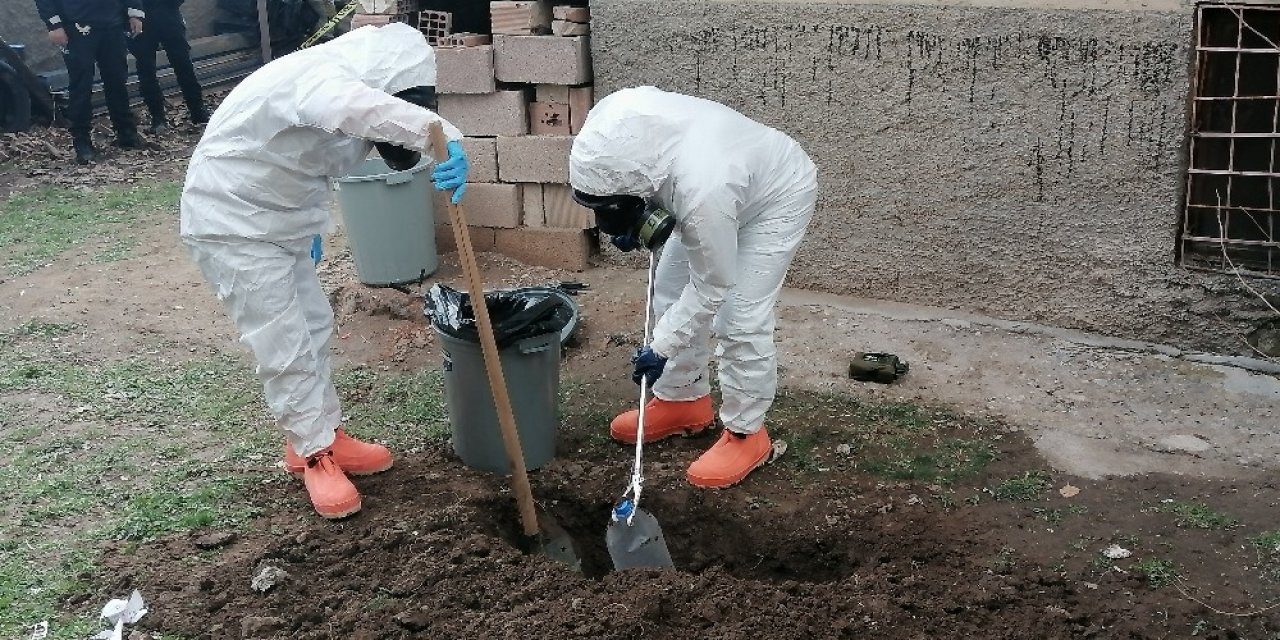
877,367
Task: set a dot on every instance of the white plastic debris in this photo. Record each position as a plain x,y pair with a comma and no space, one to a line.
40,631
1116,552
118,613
779,447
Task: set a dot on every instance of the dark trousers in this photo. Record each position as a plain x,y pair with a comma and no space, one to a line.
103,46
165,30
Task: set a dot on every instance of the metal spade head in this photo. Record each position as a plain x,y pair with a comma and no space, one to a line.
553,542
638,543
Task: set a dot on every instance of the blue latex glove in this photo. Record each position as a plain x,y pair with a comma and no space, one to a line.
452,173
625,243
317,250
648,365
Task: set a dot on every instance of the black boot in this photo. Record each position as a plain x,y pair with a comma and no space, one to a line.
128,139
159,124
199,115
85,153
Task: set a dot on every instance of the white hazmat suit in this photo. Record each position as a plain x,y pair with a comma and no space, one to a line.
257,190
742,194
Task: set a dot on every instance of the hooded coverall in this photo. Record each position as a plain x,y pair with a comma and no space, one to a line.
257,190
742,194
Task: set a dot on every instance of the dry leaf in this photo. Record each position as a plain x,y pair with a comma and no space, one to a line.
1069,491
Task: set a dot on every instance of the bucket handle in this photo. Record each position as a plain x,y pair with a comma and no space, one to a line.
539,344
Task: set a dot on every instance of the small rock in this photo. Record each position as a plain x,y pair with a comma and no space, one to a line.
215,540
957,324
302,538
260,627
1116,552
138,635
844,449
419,620
268,577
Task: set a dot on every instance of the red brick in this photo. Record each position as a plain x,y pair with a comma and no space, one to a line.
565,28
486,205
534,213
551,93
572,14
548,119
562,212
525,17
483,155
542,59
534,159
465,69
581,99
566,249
466,39
504,113
482,238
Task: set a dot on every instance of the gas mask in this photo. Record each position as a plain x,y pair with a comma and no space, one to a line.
630,221
397,157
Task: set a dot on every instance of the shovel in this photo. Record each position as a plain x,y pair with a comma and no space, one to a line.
634,537
541,533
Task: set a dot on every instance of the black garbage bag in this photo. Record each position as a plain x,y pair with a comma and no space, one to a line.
516,314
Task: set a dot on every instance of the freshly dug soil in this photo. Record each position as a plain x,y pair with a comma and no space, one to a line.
810,547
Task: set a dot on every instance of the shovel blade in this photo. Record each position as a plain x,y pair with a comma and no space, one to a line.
639,544
553,542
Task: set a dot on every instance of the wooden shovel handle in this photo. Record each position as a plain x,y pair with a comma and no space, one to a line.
492,363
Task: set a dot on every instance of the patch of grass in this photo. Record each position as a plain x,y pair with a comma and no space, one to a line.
901,441
169,508
1054,516
1196,515
1267,545
405,410
801,451
38,225
1158,572
1026,487
952,459
31,590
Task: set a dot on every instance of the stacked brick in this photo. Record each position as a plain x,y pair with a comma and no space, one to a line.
520,96
382,12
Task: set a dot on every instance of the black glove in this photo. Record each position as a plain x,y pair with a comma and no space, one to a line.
648,365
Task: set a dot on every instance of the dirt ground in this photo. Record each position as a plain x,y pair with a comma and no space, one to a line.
974,498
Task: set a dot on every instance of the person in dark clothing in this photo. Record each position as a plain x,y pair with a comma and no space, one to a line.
89,33
166,28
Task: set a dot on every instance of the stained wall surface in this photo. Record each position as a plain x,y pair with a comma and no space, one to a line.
1021,162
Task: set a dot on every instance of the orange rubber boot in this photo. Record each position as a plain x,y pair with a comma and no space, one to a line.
730,459
332,493
663,419
355,457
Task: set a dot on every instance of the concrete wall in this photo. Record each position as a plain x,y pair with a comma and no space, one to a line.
985,155
19,23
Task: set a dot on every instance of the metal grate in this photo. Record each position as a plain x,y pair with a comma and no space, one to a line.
1233,175
435,25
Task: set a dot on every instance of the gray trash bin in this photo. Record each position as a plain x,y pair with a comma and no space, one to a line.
531,368
390,222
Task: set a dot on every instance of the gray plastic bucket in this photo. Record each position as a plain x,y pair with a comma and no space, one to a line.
531,368
390,221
